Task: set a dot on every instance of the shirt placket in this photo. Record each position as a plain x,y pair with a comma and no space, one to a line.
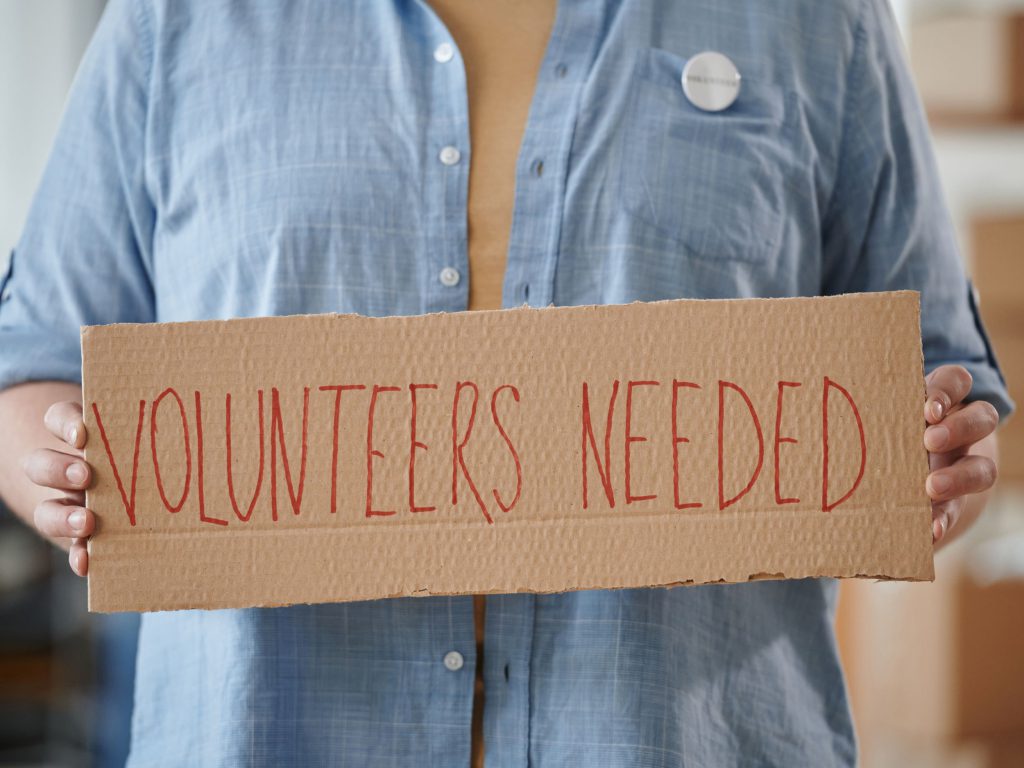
508,646
442,104
445,169
541,172
543,164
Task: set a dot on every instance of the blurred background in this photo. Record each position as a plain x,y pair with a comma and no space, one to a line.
936,671
65,676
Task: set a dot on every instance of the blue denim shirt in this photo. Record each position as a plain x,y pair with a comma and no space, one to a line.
222,159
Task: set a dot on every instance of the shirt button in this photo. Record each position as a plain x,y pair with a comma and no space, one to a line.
453,661
450,155
449,277
444,53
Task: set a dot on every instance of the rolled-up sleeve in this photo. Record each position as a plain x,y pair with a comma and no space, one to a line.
887,226
84,253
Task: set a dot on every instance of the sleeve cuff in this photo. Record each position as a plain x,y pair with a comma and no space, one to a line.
27,357
989,386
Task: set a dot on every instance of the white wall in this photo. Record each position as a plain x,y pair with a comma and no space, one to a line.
41,42
982,172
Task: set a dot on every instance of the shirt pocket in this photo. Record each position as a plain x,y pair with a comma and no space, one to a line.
710,182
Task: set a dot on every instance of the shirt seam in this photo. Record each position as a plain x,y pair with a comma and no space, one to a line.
528,703
853,80
148,54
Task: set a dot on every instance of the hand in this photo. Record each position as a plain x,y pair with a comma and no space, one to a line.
65,517
954,428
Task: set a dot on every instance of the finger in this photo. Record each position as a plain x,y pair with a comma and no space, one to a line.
944,518
64,421
945,459
947,385
53,469
970,474
964,426
63,519
78,557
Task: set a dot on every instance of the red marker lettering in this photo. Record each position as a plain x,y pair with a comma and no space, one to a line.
825,505
129,500
188,450
230,465
199,464
371,452
604,471
415,444
779,440
277,431
722,501
458,460
676,440
511,448
337,389
630,439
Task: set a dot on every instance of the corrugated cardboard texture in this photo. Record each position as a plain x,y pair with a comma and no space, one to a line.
330,517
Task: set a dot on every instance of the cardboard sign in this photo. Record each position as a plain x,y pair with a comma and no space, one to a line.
336,457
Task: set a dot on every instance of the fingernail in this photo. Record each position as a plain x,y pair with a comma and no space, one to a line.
76,473
73,436
936,410
937,437
939,528
77,520
940,483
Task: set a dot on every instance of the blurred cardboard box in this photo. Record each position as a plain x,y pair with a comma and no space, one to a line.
998,271
969,66
937,670
977,754
997,243
958,670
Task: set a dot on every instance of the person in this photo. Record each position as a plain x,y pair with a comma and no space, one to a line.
225,158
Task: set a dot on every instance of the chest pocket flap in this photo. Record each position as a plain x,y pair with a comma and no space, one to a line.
711,182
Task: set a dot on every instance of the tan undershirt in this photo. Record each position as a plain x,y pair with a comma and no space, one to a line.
502,43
